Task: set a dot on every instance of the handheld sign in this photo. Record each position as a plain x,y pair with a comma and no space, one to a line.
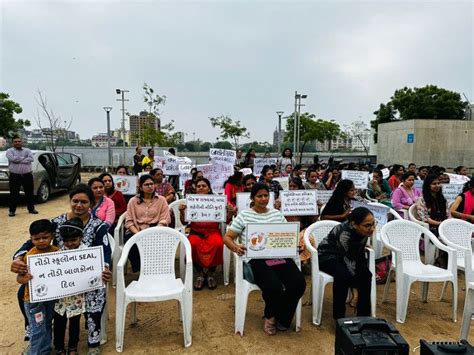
125,184
65,273
259,163
217,175
284,182
359,178
451,191
272,240
205,208
298,203
323,196
243,201
222,156
418,185
458,179
385,173
184,174
246,171
379,212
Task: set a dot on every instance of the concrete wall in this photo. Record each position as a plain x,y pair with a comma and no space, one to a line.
447,143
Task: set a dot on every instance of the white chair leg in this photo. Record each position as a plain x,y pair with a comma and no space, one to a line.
134,313
387,286
424,291
180,311
443,290
467,314
182,266
298,316
318,304
403,295
121,310
226,265
186,315
455,299
103,324
240,310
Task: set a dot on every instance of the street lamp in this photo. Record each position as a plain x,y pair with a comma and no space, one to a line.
108,109
121,91
279,113
296,128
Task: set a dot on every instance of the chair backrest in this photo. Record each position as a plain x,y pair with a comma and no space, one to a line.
405,236
119,231
413,214
320,229
157,247
457,233
111,243
174,206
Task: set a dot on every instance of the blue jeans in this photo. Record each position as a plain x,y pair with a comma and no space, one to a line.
40,317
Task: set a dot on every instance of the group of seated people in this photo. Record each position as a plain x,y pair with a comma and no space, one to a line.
341,253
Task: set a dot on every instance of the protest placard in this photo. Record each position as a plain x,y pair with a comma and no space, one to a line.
284,182
65,273
458,179
170,165
451,191
222,156
323,196
418,185
259,163
216,174
205,208
272,240
359,178
246,171
298,203
243,200
385,173
379,212
184,174
125,184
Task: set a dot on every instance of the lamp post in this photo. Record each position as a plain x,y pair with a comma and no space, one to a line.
296,128
109,151
279,113
121,91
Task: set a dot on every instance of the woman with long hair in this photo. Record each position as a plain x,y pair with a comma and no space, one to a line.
232,186
115,195
395,175
338,207
463,206
248,181
190,185
286,159
405,195
332,178
249,158
104,207
121,170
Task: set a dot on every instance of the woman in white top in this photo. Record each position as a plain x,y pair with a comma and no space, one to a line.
280,280
286,159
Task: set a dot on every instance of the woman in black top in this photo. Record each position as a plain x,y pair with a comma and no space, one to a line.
339,205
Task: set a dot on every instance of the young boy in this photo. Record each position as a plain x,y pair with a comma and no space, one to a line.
40,314
70,307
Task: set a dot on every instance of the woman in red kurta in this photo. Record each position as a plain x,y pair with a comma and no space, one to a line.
114,195
232,186
206,243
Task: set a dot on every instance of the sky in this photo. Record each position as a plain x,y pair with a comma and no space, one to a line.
244,59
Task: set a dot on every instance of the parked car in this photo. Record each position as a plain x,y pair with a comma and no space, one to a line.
52,172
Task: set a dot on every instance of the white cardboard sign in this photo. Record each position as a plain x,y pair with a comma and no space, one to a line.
222,156
359,178
205,208
259,163
418,185
451,191
125,184
184,174
284,182
385,173
458,179
272,240
298,203
379,212
246,171
65,273
323,196
217,175
243,201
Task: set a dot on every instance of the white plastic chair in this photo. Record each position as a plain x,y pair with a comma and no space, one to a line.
119,235
319,279
468,311
157,281
242,291
430,250
457,234
376,239
105,314
402,238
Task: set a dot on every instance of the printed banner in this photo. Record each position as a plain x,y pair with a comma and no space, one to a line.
205,208
243,201
380,212
217,175
284,182
451,191
298,203
222,156
272,240
259,163
125,184
323,196
65,273
359,178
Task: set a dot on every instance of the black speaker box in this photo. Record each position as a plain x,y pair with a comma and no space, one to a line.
368,336
445,347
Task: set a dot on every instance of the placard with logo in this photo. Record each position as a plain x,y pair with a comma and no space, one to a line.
299,203
126,184
272,240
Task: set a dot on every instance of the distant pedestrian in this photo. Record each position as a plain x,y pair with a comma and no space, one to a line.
137,160
19,165
149,159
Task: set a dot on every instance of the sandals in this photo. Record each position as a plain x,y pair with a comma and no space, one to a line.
199,283
211,283
269,326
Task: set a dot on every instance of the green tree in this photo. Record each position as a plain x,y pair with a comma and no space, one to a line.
223,145
428,102
8,124
312,129
230,129
204,147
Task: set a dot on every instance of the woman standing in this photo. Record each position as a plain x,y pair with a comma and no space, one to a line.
342,255
274,186
338,207
463,206
405,195
286,159
137,160
147,209
280,280
206,243
249,158
104,207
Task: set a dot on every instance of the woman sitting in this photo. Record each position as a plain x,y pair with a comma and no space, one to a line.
206,243
342,255
280,280
190,185
379,188
313,182
115,195
267,179
405,195
232,186
332,178
338,207
395,175
147,209
104,207
248,181
463,206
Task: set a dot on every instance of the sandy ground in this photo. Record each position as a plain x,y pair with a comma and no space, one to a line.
159,329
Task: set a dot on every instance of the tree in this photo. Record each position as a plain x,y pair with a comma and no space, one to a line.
429,102
205,147
230,129
8,124
55,126
312,129
223,145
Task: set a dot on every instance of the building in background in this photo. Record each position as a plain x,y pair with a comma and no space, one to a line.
356,137
278,139
37,135
100,140
138,124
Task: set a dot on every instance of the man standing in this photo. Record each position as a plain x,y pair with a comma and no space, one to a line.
137,160
19,165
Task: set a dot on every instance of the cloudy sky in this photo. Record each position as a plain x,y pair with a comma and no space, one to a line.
240,58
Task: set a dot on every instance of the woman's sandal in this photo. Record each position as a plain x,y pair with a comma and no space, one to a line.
269,327
199,283
211,283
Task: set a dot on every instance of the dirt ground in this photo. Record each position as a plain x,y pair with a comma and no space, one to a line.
159,329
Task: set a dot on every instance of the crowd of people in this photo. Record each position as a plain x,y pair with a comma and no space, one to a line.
96,207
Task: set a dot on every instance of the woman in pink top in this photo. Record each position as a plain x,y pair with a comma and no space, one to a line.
104,207
147,209
405,195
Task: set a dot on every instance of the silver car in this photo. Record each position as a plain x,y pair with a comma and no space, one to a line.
52,172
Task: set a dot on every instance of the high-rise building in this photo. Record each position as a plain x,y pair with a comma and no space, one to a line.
138,124
278,138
